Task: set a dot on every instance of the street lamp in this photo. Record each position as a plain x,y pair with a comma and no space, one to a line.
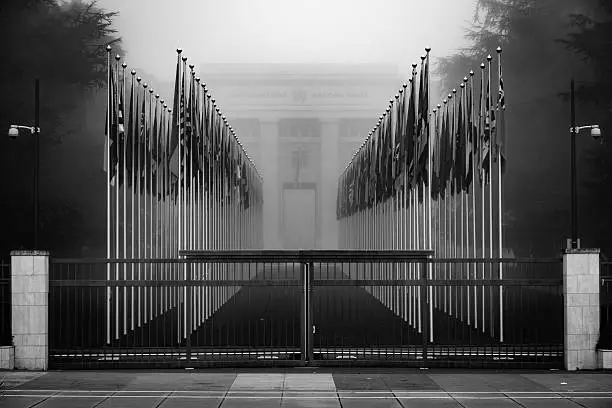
574,130
13,133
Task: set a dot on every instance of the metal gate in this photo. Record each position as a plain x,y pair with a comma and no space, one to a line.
291,308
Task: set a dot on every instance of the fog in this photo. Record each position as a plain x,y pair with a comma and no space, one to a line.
286,31
304,41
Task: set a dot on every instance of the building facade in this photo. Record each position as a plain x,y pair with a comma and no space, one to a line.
301,124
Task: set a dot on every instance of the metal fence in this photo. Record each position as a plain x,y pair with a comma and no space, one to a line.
305,307
6,338
605,304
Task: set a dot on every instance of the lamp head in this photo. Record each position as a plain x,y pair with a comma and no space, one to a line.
596,132
13,132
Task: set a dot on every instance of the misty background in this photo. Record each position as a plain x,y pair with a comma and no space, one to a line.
545,44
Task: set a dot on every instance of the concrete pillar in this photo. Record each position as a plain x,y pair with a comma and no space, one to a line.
270,167
29,299
581,308
330,164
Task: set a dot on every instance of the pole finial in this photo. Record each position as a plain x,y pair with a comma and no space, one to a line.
191,66
124,65
138,79
184,59
465,79
489,57
454,90
133,72
482,65
108,48
471,73
145,85
499,50
462,85
438,106
427,49
179,50
117,57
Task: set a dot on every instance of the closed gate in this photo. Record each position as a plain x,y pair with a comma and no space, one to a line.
216,308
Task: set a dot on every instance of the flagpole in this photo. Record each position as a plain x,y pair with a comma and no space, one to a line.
473,192
137,177
159,102
499,196
465,206
134,128
453,181
429,227
108,189
482,178
124,66
489,58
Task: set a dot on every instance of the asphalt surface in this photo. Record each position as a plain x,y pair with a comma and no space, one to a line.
306,388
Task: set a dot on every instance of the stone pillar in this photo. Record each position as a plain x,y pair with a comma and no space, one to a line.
29,300
272,210
581,308
330,164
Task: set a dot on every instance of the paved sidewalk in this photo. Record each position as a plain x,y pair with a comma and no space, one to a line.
393,388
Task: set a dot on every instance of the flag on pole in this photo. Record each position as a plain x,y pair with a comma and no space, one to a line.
423,124
500,140
177,120
110,139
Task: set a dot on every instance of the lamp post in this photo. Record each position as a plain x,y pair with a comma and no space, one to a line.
13,133
574,130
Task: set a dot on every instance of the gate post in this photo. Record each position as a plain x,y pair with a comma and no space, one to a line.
30,303
581,308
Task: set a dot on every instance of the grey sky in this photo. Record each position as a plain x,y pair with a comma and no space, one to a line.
276,31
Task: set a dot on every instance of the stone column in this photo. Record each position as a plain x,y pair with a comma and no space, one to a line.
30,320
581,308
330,164
272,210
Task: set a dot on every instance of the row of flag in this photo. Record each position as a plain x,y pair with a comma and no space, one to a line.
454,140
177,179
144,140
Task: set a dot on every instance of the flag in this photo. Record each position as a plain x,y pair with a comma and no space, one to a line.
177,119
500,140
410,132
489,129
111,129
470,136
129,139
143,142
459,155
422,132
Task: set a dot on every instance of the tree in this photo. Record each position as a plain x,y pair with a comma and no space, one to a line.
591,42
537,70
63,44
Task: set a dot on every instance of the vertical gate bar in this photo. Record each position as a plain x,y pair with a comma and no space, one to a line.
424,309
309,276
304,317
189,302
